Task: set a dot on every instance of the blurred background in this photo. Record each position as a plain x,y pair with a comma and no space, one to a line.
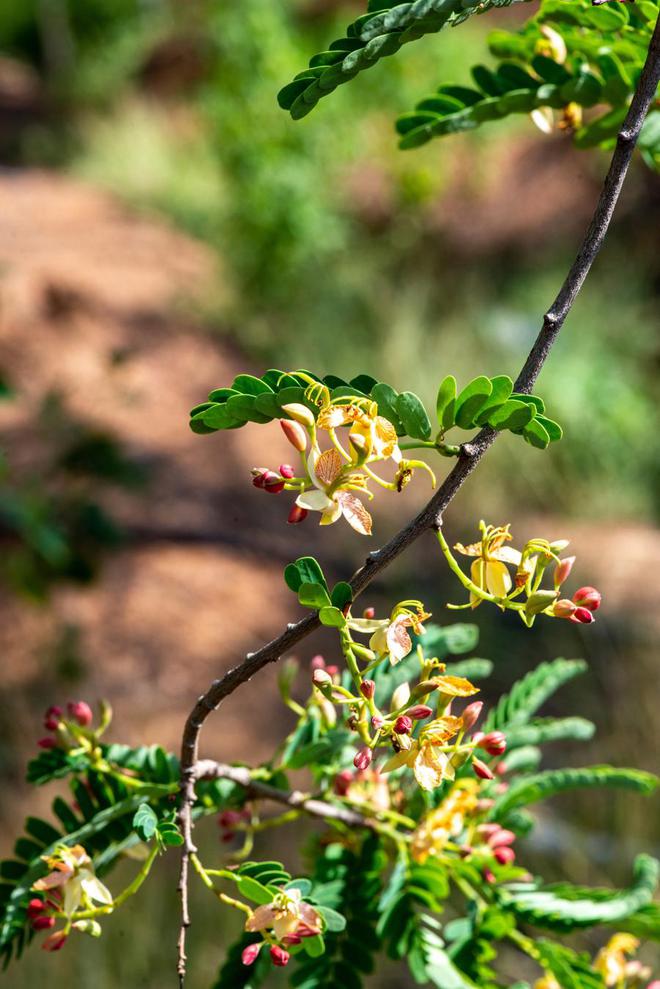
165,225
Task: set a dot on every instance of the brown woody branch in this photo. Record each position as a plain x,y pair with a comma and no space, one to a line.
471,453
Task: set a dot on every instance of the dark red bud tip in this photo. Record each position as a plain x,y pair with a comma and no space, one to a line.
403,725
582,616
419,712
35,907
81,712
273,483
250,954
279,956
343,781
229,818
297,514
368,689
369,613
43,923
287,471
504,855
47,743
482,770
55,941
494,743
363,759
259,475
52,717
587,597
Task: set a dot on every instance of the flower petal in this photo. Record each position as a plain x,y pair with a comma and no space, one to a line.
430,766
261,918
331,514
314,501
367,625
328,467
399,642
498,579
354,512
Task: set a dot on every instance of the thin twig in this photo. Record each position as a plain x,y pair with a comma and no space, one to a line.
471,453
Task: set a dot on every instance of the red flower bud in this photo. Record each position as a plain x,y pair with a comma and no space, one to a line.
494,743
501,837
317,663
295,434
377,722
563,608
287,471
321,678
583,616
489,876
249,955
369,613
259,475
55,941
52,718
47,743
332,671
343,781
279,956
81,712
482,770
403,725
363,759
587,597
368,689
471,714
562,570
273,483
35,907
297,514
488,830
229,818
419,712
504,855
43,923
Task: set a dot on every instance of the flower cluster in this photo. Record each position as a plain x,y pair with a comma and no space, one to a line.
283,922
491,579
70,887
333,475
616,966
64,727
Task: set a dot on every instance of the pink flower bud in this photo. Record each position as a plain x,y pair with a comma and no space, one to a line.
562,570
489,876
368,689
332,671
317,663
369,613
377,722
654,985
35,907
419,712
363,759
587,597
259,475
229,818
343,781
504,855
482,770
321,678
297,514
583,616
47,743
250,954
403,725
501,837
295,434
287,471
494,743
52,717
55,941
273,483
81,712
43,923
563,608
279,956
471,714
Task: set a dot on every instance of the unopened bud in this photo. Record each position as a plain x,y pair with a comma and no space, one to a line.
488,830
400,697
363,759
43,923
259,475
297,514
279,956
332,671
403,725
52,717
321,678
583,616
80,712
47,743
587,597
368,689
250,954
35,907
273,483
369,613
563,608
471,714
90,927
494,743
419,712
299,413
287,471
482,770
501,836
317,662
489,876
423,688
562,570
504,855
377,722
295,434
343,781
229,818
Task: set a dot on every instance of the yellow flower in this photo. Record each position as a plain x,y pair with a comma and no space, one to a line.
489,571
452,686
390,635
330,498
445,822
611,961
286,915
73,873
426,756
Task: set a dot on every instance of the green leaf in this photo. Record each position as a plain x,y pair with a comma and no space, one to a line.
313,595
385,397
544,730
413,416
471,400
438,640
514,414
536,434
446,402
572,971
332,617
528,695
644,923
314,946
527,791
501,388
333,920
342,595
552,428
471,669
145,822
305,570
247,384
253,890
303,885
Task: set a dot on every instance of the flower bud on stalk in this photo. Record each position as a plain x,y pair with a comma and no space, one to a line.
363,759
587,597
582,616
321,678
501,836
419,712
249,955
279,956
273,483
504,855
471,714
43,923
369,613
52,717
35,907
300,413
562,571
400,697
494,743
563,608
295,434
55,941
423,688
317,663
297,514
343,781
81,712
403,725
368,689
482,770
259,475
287,471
